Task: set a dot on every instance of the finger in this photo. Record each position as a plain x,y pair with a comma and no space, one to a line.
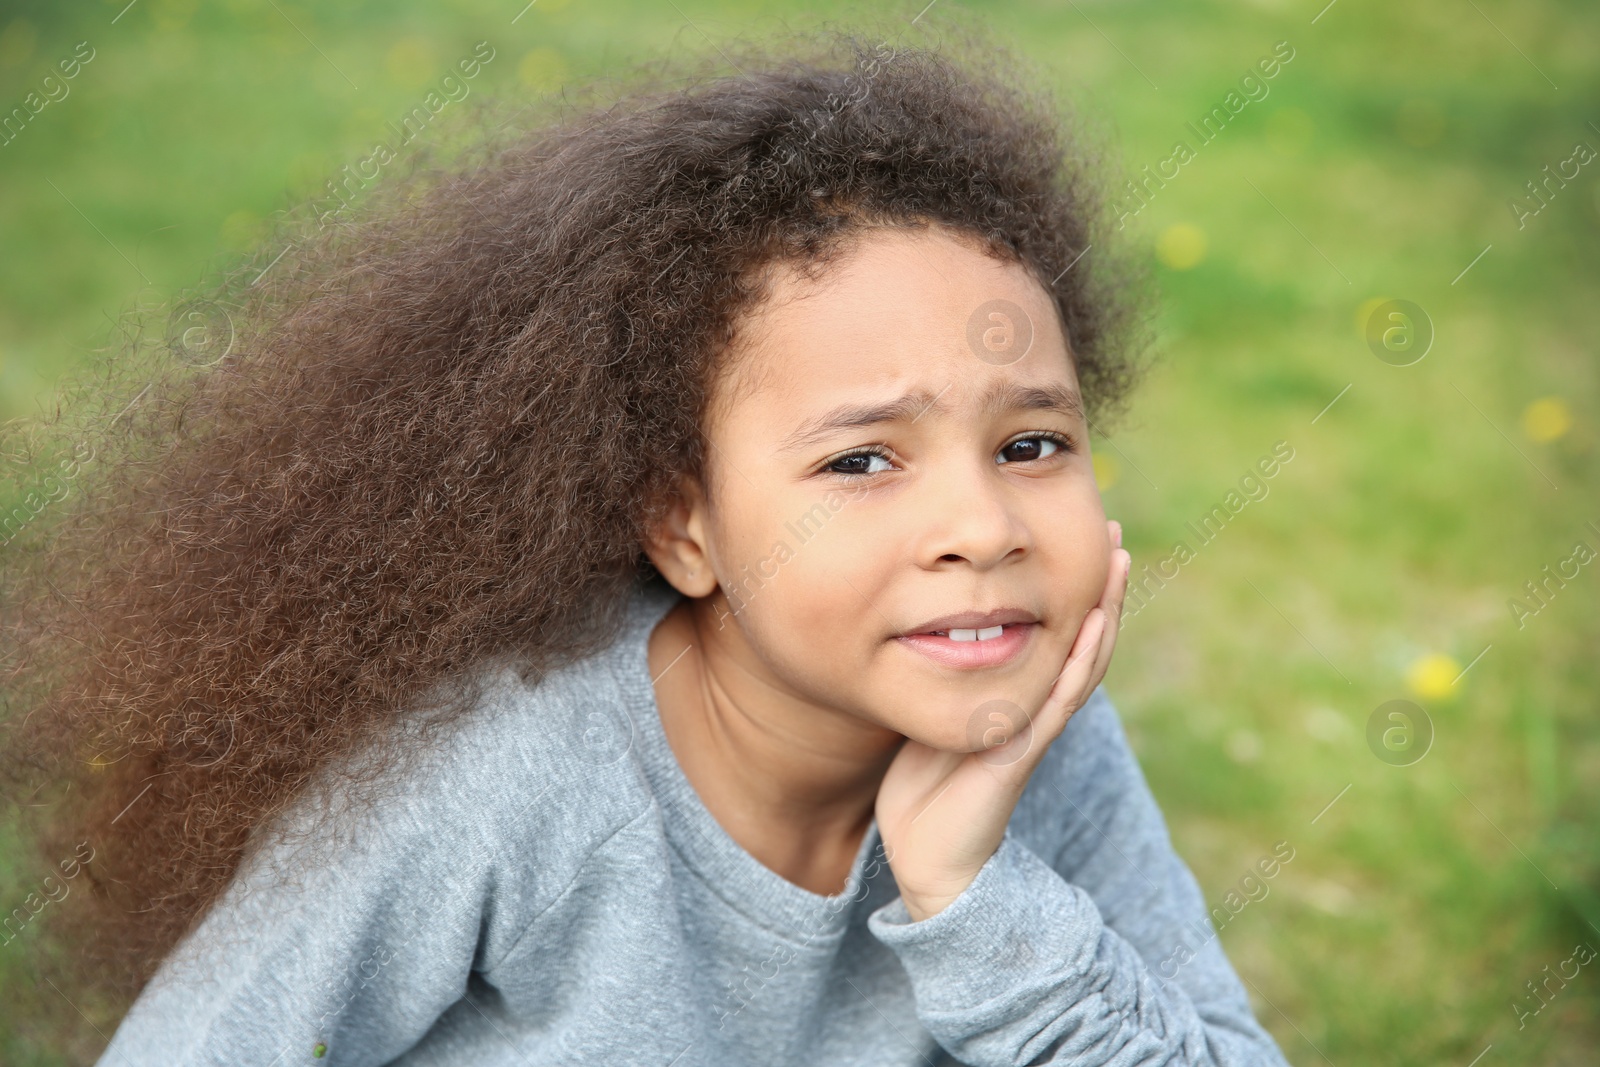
1086,645
1102,660
1111,601
1117,573
1121,562
1098,656
1085,642
1070,683
1066,696
1078,675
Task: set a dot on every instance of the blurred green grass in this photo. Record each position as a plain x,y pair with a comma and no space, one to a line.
1379,166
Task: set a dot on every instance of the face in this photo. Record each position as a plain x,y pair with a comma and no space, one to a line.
899,511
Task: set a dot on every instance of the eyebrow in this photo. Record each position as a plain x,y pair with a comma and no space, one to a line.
1007,396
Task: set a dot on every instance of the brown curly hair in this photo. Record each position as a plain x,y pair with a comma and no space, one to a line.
441,425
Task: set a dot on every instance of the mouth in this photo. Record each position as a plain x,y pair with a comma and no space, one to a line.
973,640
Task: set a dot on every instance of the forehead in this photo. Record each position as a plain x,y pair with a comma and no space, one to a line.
897,310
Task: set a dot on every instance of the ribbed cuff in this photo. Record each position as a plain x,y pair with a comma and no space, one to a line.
1019,926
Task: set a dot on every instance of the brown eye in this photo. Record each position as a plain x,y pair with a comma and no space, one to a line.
858,463
1024,449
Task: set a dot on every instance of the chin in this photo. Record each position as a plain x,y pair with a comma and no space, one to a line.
954,722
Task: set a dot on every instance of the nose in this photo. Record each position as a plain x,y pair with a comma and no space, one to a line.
969,515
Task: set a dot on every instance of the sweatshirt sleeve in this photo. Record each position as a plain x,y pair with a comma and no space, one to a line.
345,959
1027,967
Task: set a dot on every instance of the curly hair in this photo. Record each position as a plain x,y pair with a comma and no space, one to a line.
441,425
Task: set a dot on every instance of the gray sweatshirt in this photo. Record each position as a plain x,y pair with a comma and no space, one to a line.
544,886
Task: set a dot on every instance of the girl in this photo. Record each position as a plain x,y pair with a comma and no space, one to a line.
640,598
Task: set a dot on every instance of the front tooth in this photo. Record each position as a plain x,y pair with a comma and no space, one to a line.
990,633
963,635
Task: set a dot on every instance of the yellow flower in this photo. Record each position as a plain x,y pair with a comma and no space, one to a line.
543,69
1546,419
242,229
411,61
1106,471
1364,312
1181,246
1433,676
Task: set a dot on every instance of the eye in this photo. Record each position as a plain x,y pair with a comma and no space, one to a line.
1036,446
861,461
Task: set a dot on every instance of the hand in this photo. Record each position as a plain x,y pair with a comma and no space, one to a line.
942,814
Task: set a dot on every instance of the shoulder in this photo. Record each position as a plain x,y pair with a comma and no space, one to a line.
551,764
556,754
548,766
517,788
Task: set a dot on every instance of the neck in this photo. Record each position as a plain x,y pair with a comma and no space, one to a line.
793,781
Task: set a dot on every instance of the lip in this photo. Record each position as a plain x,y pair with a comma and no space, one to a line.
973,655
972,620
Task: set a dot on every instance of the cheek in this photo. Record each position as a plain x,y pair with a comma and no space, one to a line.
1075,551
817,571
807,578
786,564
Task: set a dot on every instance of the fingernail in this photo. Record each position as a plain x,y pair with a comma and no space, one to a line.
1119,535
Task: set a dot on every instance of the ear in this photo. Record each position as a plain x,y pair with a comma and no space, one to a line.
678,544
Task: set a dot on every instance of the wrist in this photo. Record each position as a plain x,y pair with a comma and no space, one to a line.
933,892
920,909
925,905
